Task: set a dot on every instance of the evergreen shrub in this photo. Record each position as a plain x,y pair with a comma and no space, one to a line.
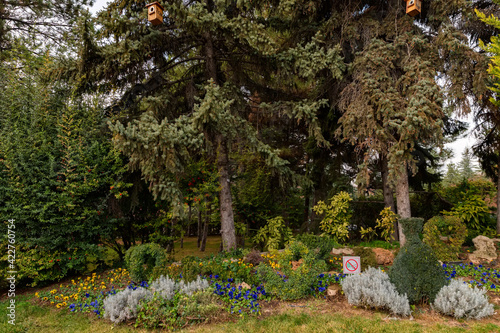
142,259
445,235
367,257
416,271
461,300
372,288
321,245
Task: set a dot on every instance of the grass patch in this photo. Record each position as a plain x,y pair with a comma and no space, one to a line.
190,247
291,321
32,317
380,244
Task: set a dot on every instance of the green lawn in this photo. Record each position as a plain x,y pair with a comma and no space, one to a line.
37,319
291,321
43,319
190,247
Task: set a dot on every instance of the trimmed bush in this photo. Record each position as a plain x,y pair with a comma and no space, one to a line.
367,256
445,235
416,271
372,288
321,245
142,259
463,301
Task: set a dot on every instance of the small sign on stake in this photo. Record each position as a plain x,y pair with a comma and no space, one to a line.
351,265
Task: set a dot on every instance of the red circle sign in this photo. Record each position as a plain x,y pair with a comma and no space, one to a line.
351,265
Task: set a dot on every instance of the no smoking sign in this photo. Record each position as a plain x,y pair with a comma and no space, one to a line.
352,265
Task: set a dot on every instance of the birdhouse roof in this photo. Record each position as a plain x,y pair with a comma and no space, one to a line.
155,3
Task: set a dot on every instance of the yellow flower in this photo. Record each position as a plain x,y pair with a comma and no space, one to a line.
51,302
60,286
53,291
58,305
57,297
103,287
111,280
36,294
45,298
64,304
66,298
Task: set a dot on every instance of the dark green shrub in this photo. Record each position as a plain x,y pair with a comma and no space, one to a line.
298,250
445,235
320,245
367,257
190,267
142,259
416,271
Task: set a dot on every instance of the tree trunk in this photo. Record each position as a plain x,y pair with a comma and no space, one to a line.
403,201
226,203
204,236
498,199
388,192
199,226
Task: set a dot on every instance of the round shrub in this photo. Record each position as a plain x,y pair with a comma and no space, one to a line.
142,259
445,235
367,256
416,271
321,245
462,301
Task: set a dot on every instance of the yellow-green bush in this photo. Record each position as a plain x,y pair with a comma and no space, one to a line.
445,235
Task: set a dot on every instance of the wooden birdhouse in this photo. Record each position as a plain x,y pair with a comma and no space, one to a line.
155,13
413,7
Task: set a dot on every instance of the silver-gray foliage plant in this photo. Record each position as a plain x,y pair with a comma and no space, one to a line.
460,300
166,287
372,288
125,304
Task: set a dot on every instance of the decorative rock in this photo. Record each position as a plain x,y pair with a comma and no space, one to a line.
243,285
383,256
485,250
342,251
333,290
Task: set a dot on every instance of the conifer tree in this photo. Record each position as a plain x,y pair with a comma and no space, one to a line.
488,119
185,85
392,100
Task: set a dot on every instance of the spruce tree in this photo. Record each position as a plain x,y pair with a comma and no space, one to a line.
392,100
185,85
488,118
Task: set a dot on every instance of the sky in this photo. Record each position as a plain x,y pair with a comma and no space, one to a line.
457,146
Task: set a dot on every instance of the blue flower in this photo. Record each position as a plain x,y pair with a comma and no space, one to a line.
492,286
